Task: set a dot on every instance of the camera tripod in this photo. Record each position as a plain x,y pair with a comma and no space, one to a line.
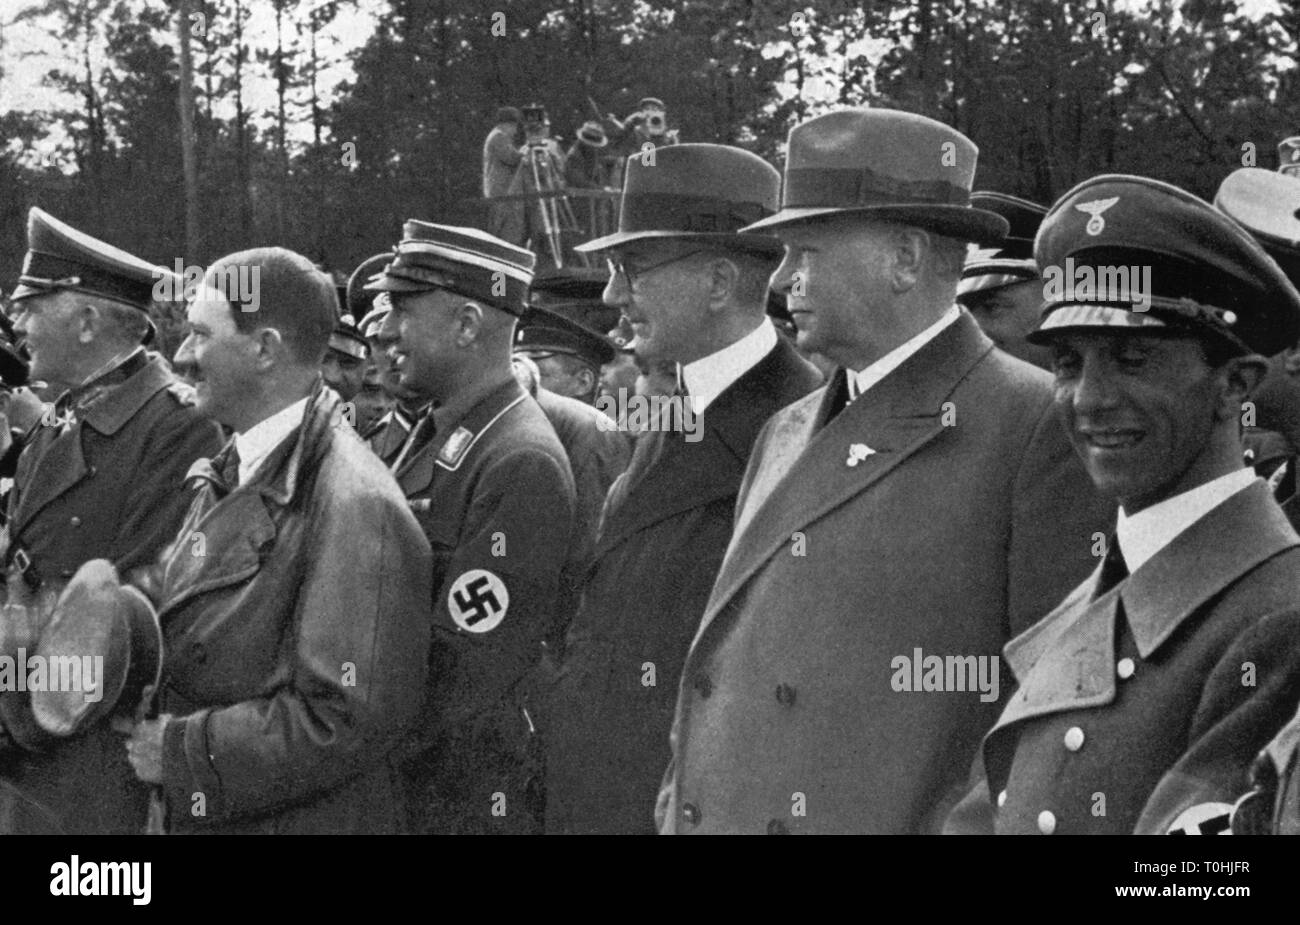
552,205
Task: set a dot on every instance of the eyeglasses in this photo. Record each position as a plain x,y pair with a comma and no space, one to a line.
630,272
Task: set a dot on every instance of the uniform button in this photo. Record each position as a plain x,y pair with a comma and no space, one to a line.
1074,738
785,696
1002,799
704,685
777,827
691,813
1046,822
1125,668
76,521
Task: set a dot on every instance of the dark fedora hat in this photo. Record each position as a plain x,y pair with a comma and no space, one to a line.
99,618
1267,204
884,165
695,192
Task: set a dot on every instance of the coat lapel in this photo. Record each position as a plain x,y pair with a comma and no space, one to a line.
455,439
1066,661
669,475
225,536
805,472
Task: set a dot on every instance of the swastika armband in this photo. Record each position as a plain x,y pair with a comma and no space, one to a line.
478,601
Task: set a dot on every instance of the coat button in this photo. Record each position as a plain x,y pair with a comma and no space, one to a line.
1002,799
777,827
1125,668
1074,738
1046,822
691,813
75,521
703,685
785,695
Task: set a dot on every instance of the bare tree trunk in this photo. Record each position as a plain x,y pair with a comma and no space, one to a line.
241,127
193,248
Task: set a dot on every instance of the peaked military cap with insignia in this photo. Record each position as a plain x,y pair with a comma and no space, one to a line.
1265,203
1208,277
542,331
575,293
346,338
466,261
61,257
1013,260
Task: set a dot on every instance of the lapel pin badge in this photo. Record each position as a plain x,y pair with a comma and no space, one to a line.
857,453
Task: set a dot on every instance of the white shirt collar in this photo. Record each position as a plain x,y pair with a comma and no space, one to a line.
710,376
257,443
1151,529
864,379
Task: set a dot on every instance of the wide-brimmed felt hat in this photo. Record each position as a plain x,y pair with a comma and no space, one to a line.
695,192
98,617
884,165
593,135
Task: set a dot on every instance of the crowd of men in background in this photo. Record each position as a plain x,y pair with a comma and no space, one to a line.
988,524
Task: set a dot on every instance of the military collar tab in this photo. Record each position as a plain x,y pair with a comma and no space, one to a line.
476,422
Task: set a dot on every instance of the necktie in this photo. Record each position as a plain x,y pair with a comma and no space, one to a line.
230,469
1113,568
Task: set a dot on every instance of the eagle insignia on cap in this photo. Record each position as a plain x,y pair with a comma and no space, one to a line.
1096,224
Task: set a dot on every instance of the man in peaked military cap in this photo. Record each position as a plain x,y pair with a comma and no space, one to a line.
100,478
344,366
695,291
923,504
493,490
388,434
1157,310
568,355
1001,286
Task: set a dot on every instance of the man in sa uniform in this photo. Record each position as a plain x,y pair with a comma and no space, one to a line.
100,478
1177,653
492,488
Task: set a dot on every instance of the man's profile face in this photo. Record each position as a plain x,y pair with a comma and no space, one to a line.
1007,314
421,336
220,359
343,373
663,300
832,269
1140,411
372,402
48,324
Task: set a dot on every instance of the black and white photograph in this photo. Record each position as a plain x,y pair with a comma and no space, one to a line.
626,417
